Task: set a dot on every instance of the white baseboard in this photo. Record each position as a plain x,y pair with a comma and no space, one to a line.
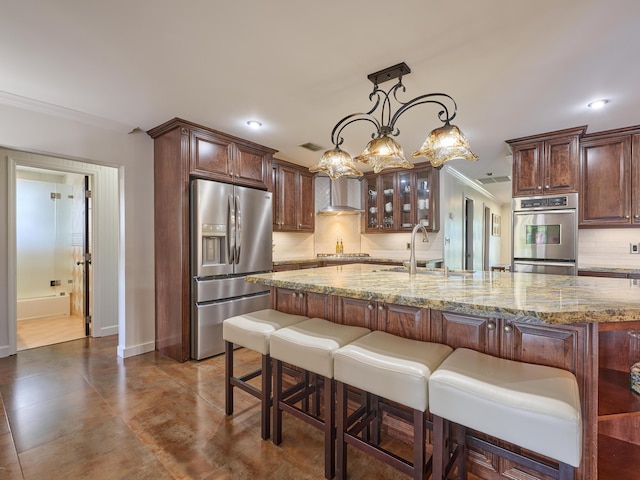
126,352
5,351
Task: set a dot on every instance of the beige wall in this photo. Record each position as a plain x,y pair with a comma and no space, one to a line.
608,247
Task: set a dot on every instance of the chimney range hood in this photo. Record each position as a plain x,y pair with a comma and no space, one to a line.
338,195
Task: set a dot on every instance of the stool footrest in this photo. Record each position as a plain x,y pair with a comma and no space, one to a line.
520,459
380,453
240,383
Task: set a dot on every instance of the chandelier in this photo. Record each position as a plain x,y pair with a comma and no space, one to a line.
443,144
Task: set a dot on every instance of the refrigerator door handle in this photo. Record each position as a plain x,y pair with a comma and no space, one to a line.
238,238
231,230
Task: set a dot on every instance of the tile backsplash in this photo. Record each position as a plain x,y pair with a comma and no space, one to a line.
608,247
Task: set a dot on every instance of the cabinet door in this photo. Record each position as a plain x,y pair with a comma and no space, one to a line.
426,197
390,213
605,181
372,203
560,165
286,199
305,202
290,301
320,305
635,179
404,321
211,157
406,202
251,167
465,331
527,169
356,312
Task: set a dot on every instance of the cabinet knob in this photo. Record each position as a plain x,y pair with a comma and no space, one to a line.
380,308
294,295
636,216
627,217
547,187
508,328
369,307
491,326
539,187
299,225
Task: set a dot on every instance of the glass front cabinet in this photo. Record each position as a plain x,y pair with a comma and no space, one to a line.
399,199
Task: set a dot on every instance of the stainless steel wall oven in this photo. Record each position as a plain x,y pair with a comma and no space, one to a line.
545,234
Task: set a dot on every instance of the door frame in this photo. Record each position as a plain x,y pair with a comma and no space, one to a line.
78,167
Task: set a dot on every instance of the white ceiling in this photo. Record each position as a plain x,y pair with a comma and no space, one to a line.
514,67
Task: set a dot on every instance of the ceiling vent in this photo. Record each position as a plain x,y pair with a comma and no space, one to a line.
311,146
490,180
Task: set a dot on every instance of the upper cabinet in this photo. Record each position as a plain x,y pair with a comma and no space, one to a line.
610,178
546,164
294,200
397,200
229,160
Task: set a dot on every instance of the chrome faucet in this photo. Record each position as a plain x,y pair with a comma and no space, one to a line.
412,259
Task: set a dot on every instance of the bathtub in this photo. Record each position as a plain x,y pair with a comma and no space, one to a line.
40,307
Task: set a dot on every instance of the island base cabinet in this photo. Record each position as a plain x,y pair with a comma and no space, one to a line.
572,347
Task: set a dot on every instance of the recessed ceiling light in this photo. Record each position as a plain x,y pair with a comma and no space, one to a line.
254,123
598,104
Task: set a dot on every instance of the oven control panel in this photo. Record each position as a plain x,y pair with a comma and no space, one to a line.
546,202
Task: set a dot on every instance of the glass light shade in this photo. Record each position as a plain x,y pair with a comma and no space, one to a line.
336,163
383,152
446,143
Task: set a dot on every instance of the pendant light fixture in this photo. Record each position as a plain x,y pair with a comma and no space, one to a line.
442,144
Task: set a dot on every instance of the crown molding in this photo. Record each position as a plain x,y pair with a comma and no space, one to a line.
39,106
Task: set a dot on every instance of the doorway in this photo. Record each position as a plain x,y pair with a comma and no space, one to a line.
468,234
486,238
53,256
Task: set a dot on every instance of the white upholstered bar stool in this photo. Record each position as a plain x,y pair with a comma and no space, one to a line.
253,331
393,368
309,345
531,406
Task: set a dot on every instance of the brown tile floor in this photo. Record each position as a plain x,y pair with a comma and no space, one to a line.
75,410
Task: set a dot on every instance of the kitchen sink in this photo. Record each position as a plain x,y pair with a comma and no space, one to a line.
432,271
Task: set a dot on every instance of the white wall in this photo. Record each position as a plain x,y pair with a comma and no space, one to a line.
61,133
453,189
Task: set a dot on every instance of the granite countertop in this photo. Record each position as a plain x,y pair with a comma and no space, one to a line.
351,259
625,270
522,297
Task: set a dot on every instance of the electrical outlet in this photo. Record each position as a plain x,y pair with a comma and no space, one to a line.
408,245
635,282
634,248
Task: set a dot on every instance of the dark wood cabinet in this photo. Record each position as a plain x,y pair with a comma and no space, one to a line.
184,150
610,179
546,164
396,200
221,158
294,200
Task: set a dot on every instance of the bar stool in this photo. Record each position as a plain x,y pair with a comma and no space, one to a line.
393,368
309,345
531,406
253,330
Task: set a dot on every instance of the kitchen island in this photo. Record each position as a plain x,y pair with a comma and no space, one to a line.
575,323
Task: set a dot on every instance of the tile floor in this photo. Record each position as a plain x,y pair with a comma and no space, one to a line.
75,410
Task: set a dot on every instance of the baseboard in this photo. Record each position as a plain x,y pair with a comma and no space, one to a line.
125,352
5,351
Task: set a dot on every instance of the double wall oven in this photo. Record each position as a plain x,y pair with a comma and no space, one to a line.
545,234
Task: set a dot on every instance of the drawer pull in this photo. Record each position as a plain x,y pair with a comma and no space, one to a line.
508,328
491,326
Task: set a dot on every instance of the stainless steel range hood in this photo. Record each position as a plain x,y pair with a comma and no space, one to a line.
343,194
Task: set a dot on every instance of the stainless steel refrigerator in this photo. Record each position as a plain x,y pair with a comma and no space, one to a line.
231,230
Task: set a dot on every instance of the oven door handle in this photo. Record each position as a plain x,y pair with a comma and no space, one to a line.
544,211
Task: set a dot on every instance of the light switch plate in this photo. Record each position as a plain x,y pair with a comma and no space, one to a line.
634,248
